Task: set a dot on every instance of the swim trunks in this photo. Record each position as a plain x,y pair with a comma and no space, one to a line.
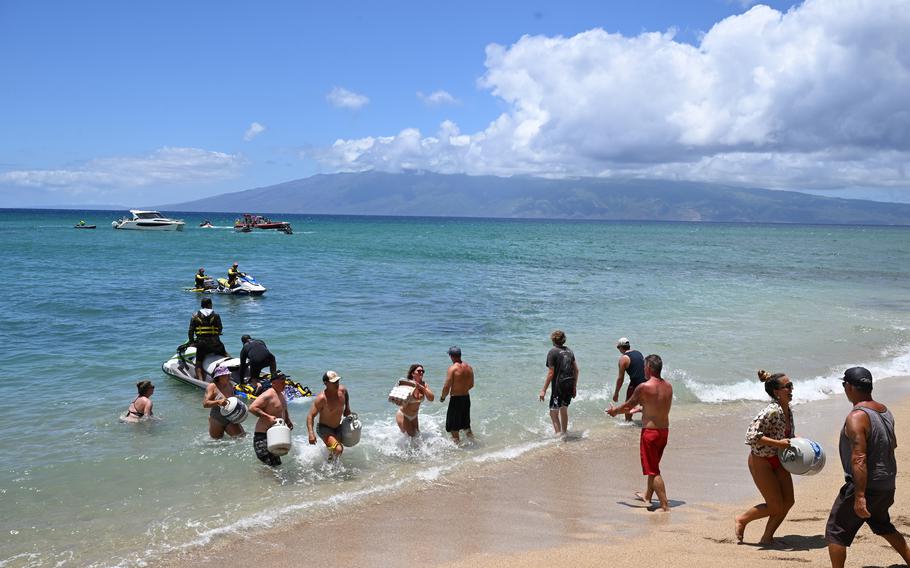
261,447
458,417
558,397
843,523
215,414
324,431
206,347
652,444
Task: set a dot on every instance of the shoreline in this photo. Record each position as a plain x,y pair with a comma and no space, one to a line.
573,501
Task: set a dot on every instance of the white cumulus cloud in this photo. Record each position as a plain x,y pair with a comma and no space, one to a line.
812,98
165,166
437,98
343,98
253,131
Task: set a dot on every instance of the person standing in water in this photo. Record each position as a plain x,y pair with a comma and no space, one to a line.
459,382
655,396
562,378
331,405
633,363
406,417
269,407
216,394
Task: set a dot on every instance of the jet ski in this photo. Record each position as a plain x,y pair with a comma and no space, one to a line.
182,366
246,286
206,225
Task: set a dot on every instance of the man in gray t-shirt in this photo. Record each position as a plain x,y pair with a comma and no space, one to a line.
562,378
867,444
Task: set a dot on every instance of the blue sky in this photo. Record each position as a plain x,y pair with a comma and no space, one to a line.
156,102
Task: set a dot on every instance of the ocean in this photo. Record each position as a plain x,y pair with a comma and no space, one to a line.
87,314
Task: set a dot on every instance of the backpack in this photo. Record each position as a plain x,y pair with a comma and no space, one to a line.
565,373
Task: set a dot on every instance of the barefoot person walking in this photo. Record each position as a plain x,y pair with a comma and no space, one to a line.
655,396
867,444
770,430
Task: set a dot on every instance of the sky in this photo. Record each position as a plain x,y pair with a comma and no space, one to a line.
139,103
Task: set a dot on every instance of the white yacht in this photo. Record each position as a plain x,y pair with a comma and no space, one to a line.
148,221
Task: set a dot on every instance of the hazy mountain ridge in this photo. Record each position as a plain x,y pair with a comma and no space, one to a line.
427,194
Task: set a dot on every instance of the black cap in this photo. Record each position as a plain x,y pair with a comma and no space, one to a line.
858,376
244,338
454,351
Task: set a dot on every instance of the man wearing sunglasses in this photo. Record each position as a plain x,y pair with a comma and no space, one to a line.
867,444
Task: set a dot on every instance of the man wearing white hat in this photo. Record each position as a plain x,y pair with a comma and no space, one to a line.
332,405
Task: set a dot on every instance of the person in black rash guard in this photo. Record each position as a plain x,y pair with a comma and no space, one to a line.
255,354
633,363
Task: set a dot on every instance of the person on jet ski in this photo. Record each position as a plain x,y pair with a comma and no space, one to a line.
200,279
233,274
205,327
257,356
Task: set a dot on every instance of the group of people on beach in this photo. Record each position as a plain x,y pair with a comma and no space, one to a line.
866,447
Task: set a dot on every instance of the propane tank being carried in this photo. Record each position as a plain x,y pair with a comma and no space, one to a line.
234,411
279,438
802,457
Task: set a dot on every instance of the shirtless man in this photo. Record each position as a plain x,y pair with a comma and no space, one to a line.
269,407
655,396
459,381
332,405
216,394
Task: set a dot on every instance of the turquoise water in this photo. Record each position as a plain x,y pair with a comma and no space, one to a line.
89,313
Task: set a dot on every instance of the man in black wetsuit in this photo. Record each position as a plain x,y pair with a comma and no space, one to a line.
633,363
205,327
257,356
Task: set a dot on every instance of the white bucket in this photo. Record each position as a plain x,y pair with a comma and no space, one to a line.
279,438
350,430
234,411
802,457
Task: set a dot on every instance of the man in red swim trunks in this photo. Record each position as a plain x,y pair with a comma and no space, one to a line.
655,396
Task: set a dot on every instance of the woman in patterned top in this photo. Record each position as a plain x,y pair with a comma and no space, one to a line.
770,430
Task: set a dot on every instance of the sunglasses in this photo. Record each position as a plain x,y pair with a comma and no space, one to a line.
419,371
788,386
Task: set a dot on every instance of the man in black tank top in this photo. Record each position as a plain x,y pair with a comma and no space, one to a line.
633,363
867,444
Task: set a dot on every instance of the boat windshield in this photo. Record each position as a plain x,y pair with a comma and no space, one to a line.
149,215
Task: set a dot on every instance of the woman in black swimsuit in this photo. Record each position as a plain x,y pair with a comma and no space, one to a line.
142,406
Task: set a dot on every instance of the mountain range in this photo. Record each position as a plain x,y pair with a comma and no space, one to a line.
430,194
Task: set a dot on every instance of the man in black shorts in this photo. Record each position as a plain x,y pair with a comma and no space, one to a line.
205,327
562,378
867,444
633,363
459,382
257,356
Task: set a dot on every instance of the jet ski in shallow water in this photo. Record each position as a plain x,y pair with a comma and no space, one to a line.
246,286
182,366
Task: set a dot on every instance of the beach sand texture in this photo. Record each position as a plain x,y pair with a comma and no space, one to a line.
572,505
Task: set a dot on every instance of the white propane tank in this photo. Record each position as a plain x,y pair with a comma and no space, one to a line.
802,457
350,430
234,411
279,438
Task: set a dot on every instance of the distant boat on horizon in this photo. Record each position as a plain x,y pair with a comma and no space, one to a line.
148,221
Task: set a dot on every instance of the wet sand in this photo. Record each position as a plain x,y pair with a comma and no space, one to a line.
572,503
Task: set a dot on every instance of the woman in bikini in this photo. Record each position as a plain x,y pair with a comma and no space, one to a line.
770,430
141,407
407,412
216,394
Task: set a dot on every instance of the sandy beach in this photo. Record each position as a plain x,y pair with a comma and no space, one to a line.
571,503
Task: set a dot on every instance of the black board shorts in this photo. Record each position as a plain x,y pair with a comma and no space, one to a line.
203,349
843,523
458,416
261,447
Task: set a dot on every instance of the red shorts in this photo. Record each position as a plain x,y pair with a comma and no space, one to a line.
653,442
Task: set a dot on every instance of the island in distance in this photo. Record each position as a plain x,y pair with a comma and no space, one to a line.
522,197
